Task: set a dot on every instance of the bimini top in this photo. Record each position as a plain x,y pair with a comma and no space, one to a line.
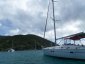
77,36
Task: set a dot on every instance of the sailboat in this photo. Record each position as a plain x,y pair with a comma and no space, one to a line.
11,49
69,49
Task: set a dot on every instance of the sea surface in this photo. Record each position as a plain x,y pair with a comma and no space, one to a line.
33,57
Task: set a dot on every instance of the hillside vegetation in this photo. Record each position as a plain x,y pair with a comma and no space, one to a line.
23,42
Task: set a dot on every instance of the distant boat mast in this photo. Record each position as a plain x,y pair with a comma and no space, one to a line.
12,44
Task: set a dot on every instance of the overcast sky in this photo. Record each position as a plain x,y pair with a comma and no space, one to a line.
28,17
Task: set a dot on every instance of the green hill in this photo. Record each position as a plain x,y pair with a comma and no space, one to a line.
23,42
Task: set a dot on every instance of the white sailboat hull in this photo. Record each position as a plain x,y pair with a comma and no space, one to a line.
11,50
66,53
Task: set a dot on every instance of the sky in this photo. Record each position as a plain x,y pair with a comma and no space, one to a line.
29,17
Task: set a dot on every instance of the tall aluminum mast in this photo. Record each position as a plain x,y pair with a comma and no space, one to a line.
54,19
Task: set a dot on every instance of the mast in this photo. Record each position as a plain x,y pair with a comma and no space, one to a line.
12,44
54,19
35,44
53,12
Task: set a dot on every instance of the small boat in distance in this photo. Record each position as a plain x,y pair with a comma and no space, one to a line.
11,49
69,48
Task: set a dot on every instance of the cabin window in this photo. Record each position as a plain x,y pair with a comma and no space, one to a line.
71,52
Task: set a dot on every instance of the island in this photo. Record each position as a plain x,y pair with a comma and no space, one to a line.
24,42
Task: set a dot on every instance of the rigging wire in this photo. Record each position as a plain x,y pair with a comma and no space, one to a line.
47,18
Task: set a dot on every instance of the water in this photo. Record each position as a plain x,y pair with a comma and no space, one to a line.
33,57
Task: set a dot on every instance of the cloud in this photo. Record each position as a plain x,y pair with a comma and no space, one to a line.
0,24
29,16
26,15
72,9
65,30
14,32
